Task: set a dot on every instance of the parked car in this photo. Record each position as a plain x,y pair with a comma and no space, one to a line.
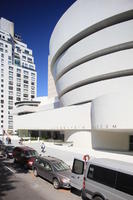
1,145
25,156
108,179
54,170
7,151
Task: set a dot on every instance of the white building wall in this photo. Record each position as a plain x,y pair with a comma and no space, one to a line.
51,84
53,120
93,58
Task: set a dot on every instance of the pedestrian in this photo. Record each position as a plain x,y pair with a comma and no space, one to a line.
21,141
6,140
43,147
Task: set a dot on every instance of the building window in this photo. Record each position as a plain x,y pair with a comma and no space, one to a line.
10,102
26,72
10,73
10,107
18,75
10,78
29,59
10,97
1,44
2,101
2,55
26,77
26,51
18,85
31,66
18,99
131,143
25,95
10,68
18,89
18,70
10,88
24,57
17,62
10,93
25,81
32,96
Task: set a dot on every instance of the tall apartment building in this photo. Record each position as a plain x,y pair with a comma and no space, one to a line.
18,75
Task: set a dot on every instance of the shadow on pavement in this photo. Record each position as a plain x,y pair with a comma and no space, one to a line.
17,168
76,192
6,180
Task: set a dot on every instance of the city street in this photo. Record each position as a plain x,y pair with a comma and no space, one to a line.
16,183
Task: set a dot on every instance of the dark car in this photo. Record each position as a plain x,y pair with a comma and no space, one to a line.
1,145
53,170
7,151
25,156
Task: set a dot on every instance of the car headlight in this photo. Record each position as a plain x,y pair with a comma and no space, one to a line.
65,180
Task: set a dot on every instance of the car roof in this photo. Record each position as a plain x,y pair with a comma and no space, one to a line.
9,146
51,159
120,166
25,148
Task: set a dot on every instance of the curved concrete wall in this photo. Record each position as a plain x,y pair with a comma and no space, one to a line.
91,52
113,111
94,56
80,16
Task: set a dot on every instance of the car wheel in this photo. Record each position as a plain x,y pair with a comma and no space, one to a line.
35,172
15,161
56,183
83,196
25,167
6,156
72,189
97,198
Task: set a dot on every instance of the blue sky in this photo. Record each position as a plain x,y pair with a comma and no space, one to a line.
35,20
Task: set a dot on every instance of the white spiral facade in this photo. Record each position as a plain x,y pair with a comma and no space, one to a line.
91,57
91,50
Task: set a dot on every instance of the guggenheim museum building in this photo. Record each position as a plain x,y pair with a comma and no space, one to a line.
91,62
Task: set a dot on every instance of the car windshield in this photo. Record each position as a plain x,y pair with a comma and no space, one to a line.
61,166
31,153
10,148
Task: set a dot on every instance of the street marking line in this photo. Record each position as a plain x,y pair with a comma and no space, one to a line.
10,169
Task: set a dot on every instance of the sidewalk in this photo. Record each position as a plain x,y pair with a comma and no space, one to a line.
68,153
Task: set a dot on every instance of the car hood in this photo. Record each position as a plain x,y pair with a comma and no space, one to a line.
65,174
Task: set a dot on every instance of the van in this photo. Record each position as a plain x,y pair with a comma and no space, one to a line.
77,175
108,179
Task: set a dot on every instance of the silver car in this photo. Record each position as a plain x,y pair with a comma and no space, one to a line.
53,170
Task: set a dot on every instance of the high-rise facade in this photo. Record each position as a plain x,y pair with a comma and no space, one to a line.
18,75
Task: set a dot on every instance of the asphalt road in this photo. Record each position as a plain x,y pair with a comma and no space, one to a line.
18,184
